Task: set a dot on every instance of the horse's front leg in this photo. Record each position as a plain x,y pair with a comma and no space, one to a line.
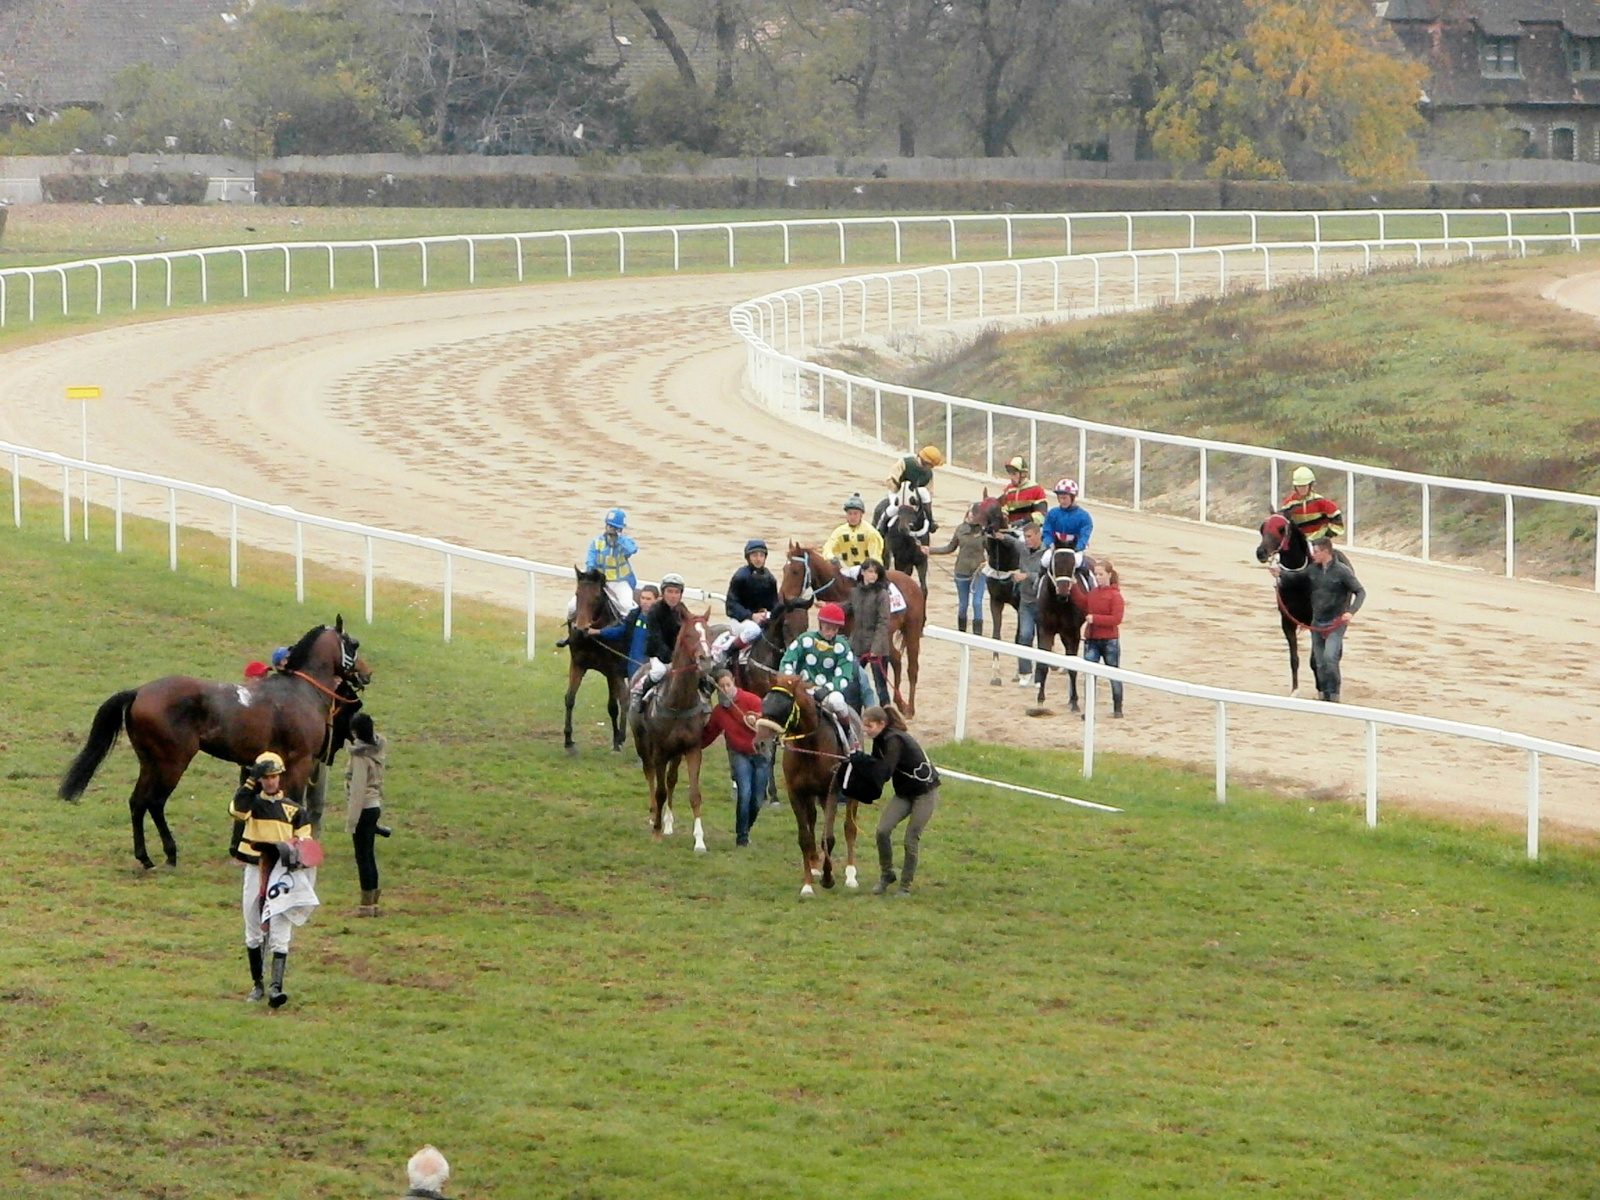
574,678
616,707
652,784
693,761
850,830
805,821
670,771
1291,634
829,807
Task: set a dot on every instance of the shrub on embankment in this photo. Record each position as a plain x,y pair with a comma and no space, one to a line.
152,188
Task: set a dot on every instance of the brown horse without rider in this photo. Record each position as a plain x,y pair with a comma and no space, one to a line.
667,727
171,720
812,753
806,575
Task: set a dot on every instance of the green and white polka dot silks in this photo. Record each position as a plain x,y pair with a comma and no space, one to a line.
820,662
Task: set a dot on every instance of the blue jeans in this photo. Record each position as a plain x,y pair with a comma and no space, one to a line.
969,590
1108,651
1326,651
750,776
1027,618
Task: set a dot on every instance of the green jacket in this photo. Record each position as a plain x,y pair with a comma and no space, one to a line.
820,662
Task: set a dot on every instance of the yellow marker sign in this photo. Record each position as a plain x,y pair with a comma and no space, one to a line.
83,393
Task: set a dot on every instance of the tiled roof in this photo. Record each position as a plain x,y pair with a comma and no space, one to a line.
1503,18
58,52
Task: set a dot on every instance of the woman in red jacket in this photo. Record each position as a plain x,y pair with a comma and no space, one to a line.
733,719
1102,628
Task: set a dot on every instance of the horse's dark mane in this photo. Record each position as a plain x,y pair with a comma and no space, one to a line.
300,654
595,575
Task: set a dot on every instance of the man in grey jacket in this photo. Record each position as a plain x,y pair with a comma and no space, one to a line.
1336,596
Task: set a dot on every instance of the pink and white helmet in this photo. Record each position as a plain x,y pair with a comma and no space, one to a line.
1066,487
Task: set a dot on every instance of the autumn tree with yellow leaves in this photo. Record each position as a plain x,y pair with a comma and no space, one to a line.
1310,85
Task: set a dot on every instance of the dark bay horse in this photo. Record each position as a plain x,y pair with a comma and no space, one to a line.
1059,616
667,727
812,753
807,576
1282,540
905,528
171,720
1002,552
586,652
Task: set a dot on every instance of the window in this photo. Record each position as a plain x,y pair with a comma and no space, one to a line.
1563,143
1500,57
1583,55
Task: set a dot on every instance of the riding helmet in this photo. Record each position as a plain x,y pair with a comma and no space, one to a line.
753,545
1066,487
1017,463
268,764
616,519
931,455
672,579
1304,477
831,614
279,657
856,503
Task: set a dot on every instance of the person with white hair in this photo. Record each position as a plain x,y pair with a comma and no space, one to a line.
427,1172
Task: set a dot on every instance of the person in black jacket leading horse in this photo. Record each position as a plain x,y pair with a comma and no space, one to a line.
753,590
915,783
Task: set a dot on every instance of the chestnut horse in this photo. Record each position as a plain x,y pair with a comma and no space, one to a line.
587,652
667,727
171,720
812,753
1059,616
1282,540
807,576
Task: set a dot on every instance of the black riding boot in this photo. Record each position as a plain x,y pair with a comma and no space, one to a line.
977,626
253,953
562,644
276,996
961,622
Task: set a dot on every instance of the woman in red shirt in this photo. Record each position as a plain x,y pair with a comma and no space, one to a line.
1102,628
733,719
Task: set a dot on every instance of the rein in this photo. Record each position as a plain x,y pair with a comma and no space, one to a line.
1284,609
324,689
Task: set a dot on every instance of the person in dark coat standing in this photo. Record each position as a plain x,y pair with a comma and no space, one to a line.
753,590
966,543
1336,596
868,607
629,635
915,783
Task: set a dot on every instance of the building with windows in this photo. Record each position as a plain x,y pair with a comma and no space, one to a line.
1509,78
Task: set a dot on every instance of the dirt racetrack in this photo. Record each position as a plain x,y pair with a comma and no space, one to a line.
510,419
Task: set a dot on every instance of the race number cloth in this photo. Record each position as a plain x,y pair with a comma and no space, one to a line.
897,602
291,894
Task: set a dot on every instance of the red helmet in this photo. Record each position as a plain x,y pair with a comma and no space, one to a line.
1066,487
833,614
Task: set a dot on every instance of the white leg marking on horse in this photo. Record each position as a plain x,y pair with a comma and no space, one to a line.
699,836
850,877
806,891
666,822
816,872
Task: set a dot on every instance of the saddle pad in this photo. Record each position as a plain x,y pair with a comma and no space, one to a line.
897,602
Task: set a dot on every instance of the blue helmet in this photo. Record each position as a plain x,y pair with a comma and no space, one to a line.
616,519
753,545
280,656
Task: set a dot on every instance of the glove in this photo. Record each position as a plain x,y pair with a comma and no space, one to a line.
383,831
289,855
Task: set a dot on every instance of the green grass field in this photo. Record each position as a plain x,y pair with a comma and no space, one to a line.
1262,998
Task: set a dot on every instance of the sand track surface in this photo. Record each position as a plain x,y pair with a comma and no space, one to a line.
510,419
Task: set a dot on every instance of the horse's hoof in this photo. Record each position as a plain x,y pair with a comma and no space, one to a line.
995,682
572,751
850,879
147,864
806,891
700,848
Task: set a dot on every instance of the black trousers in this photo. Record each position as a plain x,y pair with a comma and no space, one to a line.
364,837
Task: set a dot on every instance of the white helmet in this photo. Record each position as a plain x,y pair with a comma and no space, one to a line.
672,579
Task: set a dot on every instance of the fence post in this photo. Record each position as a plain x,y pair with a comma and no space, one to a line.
850,405
119,514
877,412
533,604
949,433
16,498
1088,724
367,580
988,469
1222,752
66,504
1511,535
172,529
1203,483
1138,473
963,678
911,422
233,545
1033,445
1349,508
1372,774
1427,522
449,588
1533,805
1272,500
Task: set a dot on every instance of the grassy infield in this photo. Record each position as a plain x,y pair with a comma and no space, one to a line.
1201,1000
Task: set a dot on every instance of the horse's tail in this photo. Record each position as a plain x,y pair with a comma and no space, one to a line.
108,723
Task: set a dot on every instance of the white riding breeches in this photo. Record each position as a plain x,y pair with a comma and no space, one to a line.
835,703
278,929
742,634
658,670
621,592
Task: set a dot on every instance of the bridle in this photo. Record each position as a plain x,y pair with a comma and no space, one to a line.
804,559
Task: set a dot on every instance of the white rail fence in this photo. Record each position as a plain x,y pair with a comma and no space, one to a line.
450,553
117,277
779,327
